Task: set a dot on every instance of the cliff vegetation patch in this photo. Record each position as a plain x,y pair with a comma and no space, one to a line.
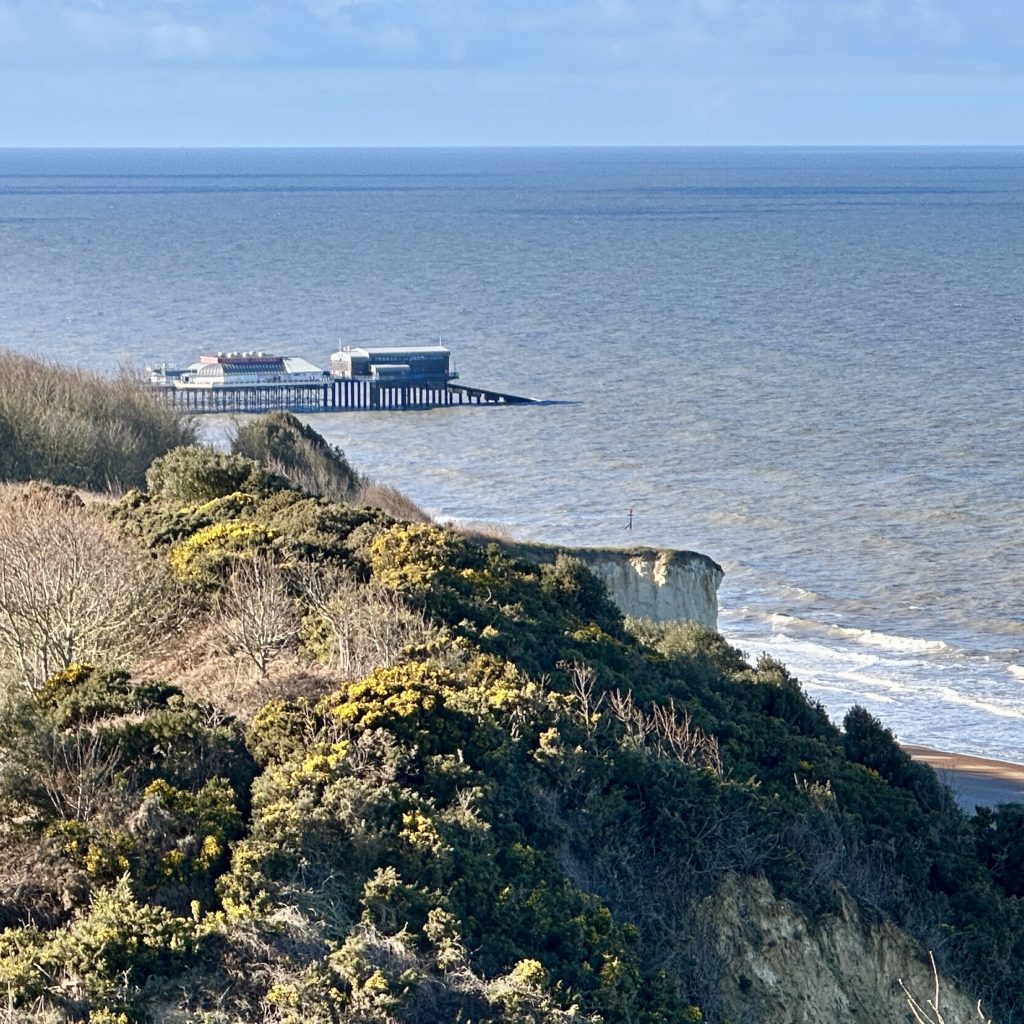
335,766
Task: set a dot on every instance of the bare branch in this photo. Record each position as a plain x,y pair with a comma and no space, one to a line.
73,588
930,1013
666,732
369,626
255,614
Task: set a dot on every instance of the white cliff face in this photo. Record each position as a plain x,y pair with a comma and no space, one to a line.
666,586
781,969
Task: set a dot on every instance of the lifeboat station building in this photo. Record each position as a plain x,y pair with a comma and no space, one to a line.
425,364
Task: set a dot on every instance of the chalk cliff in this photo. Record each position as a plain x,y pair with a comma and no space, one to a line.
649,583
778,968
667,586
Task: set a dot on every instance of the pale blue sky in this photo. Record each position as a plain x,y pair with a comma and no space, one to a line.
531,72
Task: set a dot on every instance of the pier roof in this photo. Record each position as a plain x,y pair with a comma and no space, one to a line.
373,350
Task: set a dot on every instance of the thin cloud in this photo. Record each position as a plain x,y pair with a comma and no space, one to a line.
737,37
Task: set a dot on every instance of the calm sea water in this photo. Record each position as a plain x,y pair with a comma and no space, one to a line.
804,363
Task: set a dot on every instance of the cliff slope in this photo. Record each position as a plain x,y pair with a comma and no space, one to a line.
660,584
458,785
780,968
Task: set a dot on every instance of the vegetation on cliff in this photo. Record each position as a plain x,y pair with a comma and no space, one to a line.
74,427
390,774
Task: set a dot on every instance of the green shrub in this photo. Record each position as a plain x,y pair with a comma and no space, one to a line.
415,558
82,694
579,592
194,474
120,777
999,834
208,555
118,937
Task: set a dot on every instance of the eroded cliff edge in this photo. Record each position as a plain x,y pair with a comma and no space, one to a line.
777,967
649,583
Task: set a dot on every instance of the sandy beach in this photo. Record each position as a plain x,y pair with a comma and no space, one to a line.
974,780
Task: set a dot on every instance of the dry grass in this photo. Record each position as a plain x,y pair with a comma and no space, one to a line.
226,681
485,533
37,1013
73,427
391,501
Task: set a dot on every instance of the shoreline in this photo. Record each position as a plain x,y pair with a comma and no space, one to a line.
975,781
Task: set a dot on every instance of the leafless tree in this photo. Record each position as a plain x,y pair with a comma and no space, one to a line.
369,626
588,704
255,614
77,774
666,732
73,588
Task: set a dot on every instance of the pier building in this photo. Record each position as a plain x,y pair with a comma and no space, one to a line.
420,363
360,378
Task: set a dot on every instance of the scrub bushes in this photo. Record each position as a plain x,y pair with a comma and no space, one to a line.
195,474
77,428
290,449
508,806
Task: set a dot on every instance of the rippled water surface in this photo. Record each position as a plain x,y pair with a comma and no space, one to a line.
804,363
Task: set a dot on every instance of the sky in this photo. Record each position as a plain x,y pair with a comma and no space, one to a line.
511,72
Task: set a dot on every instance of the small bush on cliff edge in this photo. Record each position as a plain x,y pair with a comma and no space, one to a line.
287,447
193,474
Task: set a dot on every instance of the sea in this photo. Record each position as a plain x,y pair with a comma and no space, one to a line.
805,363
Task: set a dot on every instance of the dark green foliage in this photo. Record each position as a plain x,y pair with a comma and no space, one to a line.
206,539
522,819
281,730
290,449
83,693
77,428
118,778
116,946
580,593
313,529
869,743
194,474
1000,837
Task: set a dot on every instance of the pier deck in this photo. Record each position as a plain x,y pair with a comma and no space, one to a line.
331,395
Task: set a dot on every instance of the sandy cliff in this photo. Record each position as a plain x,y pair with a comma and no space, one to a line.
781,969
648,583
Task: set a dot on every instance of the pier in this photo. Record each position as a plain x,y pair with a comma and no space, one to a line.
337,395
360,380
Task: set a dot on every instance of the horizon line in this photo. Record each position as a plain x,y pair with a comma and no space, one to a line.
520,145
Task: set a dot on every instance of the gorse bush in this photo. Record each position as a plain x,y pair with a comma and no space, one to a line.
194,474
78,428
507,804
